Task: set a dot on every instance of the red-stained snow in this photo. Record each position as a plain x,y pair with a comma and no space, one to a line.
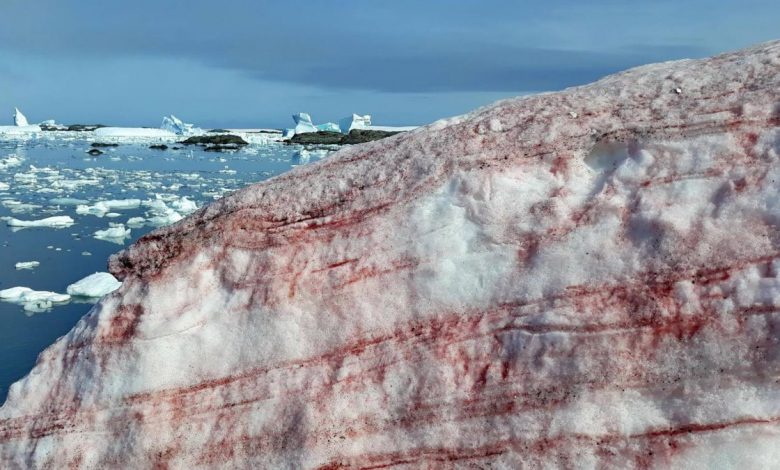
583,279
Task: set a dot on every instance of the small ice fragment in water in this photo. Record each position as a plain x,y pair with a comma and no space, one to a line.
27,264
136,222
116,233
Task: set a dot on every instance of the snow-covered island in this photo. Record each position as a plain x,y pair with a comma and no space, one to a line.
581,279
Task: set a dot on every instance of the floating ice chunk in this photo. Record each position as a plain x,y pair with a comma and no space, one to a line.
184,206
94,285
102,208
14,293
328,126
20,120
136,222
167,217
10,161
116,233
303,124
32,300
27,264
288,133
177,126
67,201
355,121
59,221
4,186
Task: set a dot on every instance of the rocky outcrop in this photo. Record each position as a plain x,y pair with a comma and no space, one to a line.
583,279
355,136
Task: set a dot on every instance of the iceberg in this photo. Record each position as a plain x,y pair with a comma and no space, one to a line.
303,124
518,287
94,286
328,127
20,120
177,126
355,121
21,128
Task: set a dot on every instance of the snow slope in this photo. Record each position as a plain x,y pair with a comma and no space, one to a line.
583,279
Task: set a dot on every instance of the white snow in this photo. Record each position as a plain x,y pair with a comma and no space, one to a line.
59,221
95,285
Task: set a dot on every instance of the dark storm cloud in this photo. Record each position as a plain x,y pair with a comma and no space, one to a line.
412,47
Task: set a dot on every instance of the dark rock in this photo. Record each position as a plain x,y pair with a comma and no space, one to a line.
55,127
359,136
222,148
219,131
222,139
83,127
95,152
102,144
355,136
321,137
159,147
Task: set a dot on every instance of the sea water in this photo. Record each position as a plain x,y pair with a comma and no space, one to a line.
46,178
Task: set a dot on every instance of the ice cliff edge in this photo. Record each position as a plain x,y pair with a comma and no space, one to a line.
588,278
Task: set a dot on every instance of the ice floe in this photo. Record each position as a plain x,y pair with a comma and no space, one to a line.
32,300
27,264
59,221
95,285
116,233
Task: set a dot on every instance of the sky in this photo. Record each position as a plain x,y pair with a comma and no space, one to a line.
252,63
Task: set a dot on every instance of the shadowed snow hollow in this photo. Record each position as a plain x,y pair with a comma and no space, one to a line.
583,279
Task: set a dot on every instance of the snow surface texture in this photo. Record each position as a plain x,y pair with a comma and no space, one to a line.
584,279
